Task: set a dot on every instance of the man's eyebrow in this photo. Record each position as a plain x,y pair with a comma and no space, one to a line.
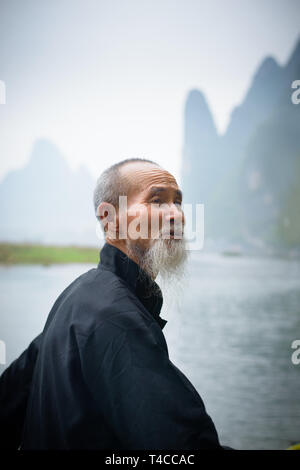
158,189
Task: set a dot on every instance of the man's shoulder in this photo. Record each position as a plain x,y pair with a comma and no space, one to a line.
95,297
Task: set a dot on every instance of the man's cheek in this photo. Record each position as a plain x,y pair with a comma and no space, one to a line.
138,226
155,223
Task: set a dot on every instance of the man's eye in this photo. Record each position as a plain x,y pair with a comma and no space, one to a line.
156,201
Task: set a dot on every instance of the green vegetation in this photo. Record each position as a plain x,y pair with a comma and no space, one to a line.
16,253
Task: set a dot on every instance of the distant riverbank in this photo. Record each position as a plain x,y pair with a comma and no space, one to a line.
230,332
26,253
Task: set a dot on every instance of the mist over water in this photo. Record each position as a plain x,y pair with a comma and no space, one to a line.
230,333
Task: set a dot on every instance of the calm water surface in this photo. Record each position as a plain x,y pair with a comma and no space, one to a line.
230,331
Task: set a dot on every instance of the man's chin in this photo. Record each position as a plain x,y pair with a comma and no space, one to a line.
166,257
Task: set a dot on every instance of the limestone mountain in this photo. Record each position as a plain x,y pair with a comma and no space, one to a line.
46,201
247,177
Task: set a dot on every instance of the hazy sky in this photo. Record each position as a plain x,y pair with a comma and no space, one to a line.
106,80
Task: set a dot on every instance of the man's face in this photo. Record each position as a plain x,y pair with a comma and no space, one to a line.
154,217
153,204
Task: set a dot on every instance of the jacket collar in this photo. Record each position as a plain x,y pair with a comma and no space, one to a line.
139,282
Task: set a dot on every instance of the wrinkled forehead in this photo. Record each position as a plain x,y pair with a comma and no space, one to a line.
141,176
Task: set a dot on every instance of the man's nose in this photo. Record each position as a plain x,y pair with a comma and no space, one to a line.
175,215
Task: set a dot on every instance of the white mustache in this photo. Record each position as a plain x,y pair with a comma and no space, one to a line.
178,231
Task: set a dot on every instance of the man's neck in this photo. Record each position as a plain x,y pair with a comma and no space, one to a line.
121,245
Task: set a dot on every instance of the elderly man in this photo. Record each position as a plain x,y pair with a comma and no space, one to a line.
99,376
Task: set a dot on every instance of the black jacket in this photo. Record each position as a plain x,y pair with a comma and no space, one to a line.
99,376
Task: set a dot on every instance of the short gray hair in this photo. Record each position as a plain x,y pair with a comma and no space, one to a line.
110,185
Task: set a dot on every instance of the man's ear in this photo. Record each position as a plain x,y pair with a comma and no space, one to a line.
109,219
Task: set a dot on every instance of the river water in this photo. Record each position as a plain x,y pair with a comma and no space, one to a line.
230,329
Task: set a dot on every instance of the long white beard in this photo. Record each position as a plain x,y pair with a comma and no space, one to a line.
164,257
